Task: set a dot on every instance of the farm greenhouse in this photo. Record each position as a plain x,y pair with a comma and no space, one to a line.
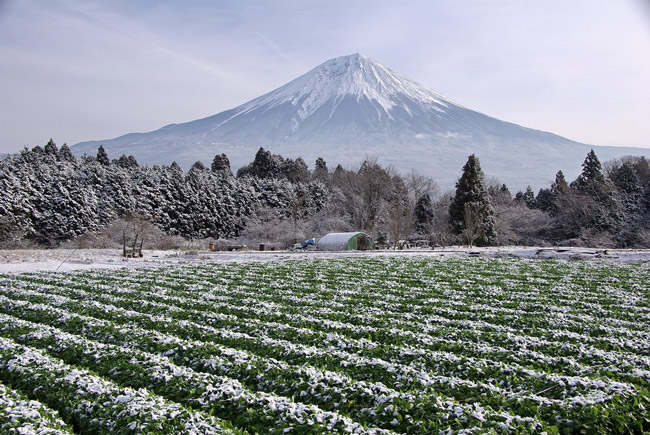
411,345
353,241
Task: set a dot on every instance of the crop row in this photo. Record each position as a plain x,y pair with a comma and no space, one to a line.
404,345
93,404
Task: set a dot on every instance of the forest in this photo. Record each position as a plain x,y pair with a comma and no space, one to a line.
51,198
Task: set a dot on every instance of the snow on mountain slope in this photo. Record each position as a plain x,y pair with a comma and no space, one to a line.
349,76
351,107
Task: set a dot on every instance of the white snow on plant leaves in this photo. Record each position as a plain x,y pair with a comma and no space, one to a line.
412,343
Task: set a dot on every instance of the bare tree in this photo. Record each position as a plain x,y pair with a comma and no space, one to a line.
400,222
272,228
519,225
133,228
365,195
419,185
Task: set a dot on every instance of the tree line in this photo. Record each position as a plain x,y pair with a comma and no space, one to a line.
49,197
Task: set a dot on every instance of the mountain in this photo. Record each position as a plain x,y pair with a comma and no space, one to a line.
351,107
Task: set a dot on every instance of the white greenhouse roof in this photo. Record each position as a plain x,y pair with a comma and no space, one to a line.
336,241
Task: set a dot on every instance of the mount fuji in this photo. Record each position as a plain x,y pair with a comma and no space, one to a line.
352,107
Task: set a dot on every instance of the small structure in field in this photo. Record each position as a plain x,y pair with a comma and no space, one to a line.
355,241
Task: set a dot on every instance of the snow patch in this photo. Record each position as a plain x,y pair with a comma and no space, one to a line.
64,260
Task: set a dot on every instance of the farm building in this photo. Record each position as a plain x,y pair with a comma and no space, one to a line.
357,241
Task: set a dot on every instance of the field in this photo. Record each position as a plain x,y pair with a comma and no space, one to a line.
357,345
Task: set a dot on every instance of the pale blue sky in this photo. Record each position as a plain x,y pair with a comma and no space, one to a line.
78,70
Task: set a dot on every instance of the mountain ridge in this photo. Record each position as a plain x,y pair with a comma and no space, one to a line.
350,107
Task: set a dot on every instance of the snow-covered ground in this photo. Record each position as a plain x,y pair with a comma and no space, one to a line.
15,261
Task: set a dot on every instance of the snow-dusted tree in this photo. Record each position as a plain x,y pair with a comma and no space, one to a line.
424,215
629,191
499,193
586,211
321,173
102,157
527,197
629,188
176,167
295,171
51,149
65,154
265,165
16,206
198,166
126,162
604,211
221,165
471,189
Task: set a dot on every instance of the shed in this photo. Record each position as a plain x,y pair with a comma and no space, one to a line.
356,241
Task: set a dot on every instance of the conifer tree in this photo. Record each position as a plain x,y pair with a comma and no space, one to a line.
221,165
592,175
559,185
544,199
598,197
198,166
424,214
629,188
529,198
175,167
126,162
320,165
295,171
102,157
65,154
51,149
472,198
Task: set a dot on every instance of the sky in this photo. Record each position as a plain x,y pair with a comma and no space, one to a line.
77,70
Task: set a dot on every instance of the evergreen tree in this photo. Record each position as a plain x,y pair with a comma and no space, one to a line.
529,198
321,173
198,166
544,199
424,214
629,188
296,171
265,165
591,176
472,198
221,165
320,165
65,154
500,195
559,185
126,162
102,157
646,198
51,149
175,167
594,206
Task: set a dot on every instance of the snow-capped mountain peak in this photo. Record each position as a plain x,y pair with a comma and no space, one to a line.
349,76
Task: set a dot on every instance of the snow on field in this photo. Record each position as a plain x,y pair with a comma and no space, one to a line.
28,260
